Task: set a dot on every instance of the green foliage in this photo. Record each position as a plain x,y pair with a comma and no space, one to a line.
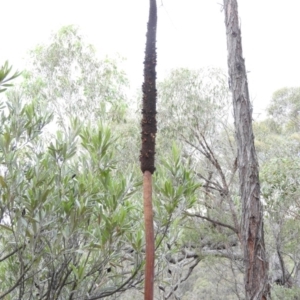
4,76
279,293
64,208
189,99
71,221
280,178
277,141
285,107
175,187
69,79
70,195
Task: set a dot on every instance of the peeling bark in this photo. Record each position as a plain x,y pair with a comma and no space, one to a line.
255,262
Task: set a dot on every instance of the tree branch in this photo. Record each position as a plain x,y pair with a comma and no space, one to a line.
212,221
12,253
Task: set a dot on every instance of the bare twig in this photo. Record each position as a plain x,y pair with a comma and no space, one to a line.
212,221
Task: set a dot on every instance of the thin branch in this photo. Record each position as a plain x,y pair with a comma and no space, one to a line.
281,265
216,184
119,289
215,162
12,253
224,254
165,231
19,281
191,268
212,221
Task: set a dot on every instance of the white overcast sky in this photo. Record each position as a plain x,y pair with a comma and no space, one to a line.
191,33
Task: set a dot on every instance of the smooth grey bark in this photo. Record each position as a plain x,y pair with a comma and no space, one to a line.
255,262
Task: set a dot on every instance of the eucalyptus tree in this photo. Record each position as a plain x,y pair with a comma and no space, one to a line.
68,77
208,230
285,108
252,230
277,144
194,112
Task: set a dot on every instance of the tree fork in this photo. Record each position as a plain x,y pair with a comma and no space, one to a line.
147,155
255,262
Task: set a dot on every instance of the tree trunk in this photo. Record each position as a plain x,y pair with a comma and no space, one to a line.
255,262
